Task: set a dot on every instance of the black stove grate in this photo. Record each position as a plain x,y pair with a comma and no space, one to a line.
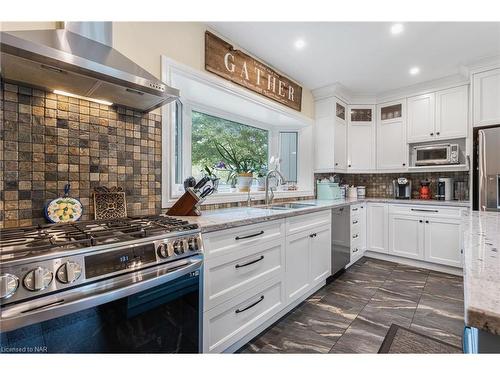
28,241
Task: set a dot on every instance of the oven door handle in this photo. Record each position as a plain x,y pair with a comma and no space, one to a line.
95,294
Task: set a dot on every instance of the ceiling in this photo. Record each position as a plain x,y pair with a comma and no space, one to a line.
364,56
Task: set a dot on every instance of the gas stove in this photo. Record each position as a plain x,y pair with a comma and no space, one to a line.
48,259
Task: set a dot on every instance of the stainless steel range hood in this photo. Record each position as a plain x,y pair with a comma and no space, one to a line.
69,62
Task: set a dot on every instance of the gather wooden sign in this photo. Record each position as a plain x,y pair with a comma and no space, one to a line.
238,67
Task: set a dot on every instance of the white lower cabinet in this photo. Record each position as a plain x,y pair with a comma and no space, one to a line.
251,273
377,227
443,241
226,323
358,231
297,265
308,260
428,233
406,236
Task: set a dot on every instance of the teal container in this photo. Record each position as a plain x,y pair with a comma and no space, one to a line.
327,190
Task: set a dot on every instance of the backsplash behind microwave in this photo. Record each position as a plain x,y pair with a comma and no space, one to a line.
48,140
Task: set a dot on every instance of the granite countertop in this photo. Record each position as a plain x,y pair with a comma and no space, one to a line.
482,270
214,220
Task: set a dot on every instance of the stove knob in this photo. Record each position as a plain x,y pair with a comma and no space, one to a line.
8,285
162,251
69,272
37,279
193,244
170,249
179,247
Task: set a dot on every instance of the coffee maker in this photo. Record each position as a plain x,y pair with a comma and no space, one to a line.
444,189
402,188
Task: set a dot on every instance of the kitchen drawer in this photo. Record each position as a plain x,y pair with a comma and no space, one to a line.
307,222
227,323
356,253
229,275
233,240
425,210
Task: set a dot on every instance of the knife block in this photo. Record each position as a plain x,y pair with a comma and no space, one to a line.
185,205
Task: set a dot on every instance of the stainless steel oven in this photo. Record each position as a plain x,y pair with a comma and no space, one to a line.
154,310
436,154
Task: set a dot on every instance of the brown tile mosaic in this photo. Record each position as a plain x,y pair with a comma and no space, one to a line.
379,185
48,140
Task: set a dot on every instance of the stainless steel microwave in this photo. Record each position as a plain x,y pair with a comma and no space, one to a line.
437,154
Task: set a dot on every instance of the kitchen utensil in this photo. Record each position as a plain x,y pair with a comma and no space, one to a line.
201,183
63,209
189,182
109,203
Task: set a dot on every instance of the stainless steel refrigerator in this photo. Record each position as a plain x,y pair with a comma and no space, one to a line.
487,171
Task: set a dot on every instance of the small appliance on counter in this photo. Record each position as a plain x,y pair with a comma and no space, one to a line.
327,190
424,191
352,192
444,189
402,188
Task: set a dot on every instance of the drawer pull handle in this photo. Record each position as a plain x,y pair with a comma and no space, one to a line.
313,235
423,210
355,250
249,236
250,306
355,222
355,236
354,209
249,263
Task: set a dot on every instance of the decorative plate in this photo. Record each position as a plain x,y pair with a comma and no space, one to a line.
63,209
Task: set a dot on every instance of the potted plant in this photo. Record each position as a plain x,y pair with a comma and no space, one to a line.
240,169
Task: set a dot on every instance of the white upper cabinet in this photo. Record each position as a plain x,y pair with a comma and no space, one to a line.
392,149
452,113
331,135
438,115
361,138
486,98
340,136
421,120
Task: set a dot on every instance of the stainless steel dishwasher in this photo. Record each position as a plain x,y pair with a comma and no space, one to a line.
341,241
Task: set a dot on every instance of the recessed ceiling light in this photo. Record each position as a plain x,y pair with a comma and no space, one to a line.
397,28
300,43
415,70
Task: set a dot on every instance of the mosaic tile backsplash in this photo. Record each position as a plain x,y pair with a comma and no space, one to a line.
379,185
48,140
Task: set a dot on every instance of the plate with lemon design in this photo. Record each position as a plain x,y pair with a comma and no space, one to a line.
64,209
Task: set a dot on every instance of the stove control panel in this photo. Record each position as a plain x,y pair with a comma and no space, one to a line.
39,278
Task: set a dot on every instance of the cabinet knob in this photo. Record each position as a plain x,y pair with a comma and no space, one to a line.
404,164
336,163
349,165
432,134
437,133
427,221
420,221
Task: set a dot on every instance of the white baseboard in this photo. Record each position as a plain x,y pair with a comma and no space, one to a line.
414,263
244,340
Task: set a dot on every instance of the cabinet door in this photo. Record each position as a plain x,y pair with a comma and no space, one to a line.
361,138
421,118
443,241
340,144
321,254
297,265
392,148
324,134
452,112
377,221
486,98
406,236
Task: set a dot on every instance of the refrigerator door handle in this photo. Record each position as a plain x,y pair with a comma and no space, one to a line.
482,171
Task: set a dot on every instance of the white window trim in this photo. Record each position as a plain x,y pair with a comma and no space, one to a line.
169,196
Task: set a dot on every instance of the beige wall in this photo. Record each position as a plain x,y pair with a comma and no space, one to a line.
184,42
145,42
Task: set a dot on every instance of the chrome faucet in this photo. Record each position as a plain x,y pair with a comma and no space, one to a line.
272,173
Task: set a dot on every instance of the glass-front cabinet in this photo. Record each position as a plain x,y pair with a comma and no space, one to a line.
361,138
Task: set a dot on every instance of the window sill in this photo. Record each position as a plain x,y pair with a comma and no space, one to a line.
230,197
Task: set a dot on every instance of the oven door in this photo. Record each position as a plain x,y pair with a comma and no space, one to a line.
155,310
432,155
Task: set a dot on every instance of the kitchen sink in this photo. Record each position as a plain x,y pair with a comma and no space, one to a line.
289,206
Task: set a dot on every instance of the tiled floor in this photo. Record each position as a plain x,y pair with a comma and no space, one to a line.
353,313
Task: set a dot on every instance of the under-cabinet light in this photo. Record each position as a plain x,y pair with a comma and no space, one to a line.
100,101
